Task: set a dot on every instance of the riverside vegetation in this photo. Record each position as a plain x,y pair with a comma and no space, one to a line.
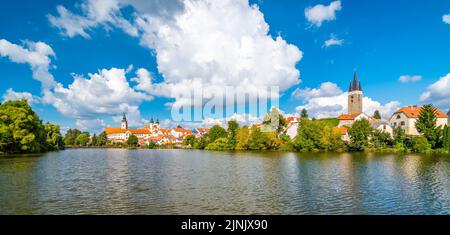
22,131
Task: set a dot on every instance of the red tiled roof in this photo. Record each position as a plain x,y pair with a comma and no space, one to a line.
414,112
114,130
140,131
348,116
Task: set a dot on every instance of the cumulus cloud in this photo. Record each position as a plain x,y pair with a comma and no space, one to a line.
104,93
333,41
209,43
89,125
10,94
318,14
438,93
446,18
409,78
333,105
36,54
326,89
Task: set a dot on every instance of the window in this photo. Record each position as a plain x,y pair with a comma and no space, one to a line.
398,117
395,124
402,123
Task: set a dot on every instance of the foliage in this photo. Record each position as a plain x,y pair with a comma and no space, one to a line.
446,138
274,122
82,139
377,114
359,134
189,140
426,124
242,138
220,144
304,113
420,144
286,143
151,145
71,136
328,122
102,139
308,135
54,138
132,140
233,128
330,140
202,143
21,130
381,139
216,132
259,140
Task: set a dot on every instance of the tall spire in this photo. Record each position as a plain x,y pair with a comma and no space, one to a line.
151,121
355,82
124,118
359,86
350,87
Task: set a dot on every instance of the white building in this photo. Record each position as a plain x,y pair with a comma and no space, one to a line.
406,118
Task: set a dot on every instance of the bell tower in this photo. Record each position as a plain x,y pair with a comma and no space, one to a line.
124,123
355,96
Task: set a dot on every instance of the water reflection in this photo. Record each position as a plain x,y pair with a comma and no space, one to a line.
116,181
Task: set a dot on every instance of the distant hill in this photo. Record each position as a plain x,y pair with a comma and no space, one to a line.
329,121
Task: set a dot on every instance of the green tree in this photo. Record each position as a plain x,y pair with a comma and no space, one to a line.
274,122
359,134
420,144
426,125
304,113
21,130
233,128
381,139
220,144
216,132
190,140
202,142
132,140
377,114
242,138
54,138
151,145
446,138
82,139
330,140
102,139
94,140
308,136
71,136
259,140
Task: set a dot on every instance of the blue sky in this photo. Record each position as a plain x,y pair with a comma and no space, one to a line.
382,40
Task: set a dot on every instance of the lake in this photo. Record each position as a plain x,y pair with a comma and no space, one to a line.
120,181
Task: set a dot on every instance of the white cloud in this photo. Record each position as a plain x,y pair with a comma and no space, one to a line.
446,18
438,93
35,54
409,78
104,93
326,89
334,105
333,41
320,13
10,94
90,125
208,43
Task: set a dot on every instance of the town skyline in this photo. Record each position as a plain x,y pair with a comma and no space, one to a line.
85,64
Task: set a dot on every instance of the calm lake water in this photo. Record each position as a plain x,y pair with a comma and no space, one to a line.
118,181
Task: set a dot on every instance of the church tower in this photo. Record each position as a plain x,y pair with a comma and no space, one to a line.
124,123
355,96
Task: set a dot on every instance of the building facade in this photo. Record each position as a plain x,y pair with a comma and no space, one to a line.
406,118
355,96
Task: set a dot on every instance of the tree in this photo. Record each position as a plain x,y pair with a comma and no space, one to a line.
202,143
132,140
102,139
308,136
233,128
179,126
54,138
151,145
82,139
304,113
220,144
21,130
446,138
420,144
274,122
359,134
94,140
216,132
426,125
259,140
189,140
330,140
377,114
242,138
71,136
381,139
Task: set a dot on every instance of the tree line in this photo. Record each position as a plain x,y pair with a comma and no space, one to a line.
22,131
320,135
